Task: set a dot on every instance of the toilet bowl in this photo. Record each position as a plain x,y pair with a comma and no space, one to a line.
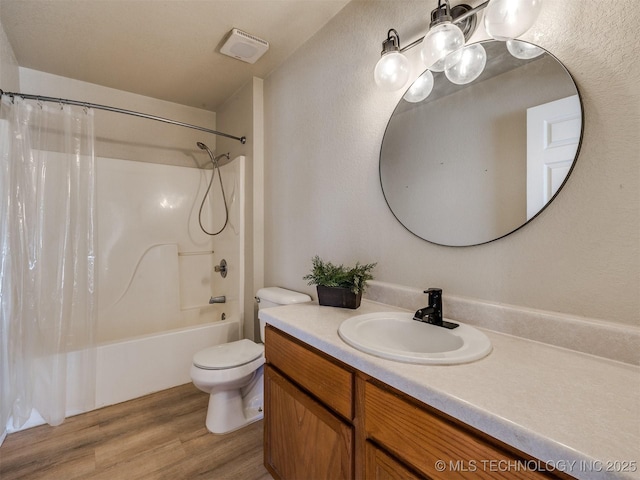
232,373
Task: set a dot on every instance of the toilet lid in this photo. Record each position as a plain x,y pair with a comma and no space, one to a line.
228,355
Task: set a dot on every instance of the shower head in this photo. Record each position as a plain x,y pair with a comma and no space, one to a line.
214,160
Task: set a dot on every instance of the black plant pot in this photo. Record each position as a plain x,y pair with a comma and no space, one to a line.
338,297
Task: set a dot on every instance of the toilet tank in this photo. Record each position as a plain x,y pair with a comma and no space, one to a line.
276,296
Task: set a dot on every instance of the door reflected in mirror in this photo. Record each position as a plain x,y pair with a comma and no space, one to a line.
472,163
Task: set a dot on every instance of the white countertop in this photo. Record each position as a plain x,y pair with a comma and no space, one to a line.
578,413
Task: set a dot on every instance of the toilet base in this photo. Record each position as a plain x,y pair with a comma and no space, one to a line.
233,418
230,410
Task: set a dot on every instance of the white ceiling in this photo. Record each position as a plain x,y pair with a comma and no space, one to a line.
158,48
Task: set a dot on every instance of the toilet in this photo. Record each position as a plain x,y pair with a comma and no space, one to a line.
232,373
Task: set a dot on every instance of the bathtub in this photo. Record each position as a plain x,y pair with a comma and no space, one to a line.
137,366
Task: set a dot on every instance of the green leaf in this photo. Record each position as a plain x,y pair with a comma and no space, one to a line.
330,275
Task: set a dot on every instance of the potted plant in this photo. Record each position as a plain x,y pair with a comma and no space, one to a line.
337,285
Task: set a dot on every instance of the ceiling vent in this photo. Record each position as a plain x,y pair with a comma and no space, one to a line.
244,46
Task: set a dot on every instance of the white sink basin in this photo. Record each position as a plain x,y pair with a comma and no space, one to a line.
396,336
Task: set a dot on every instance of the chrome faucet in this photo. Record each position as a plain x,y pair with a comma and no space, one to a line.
433,312
222,268
220,299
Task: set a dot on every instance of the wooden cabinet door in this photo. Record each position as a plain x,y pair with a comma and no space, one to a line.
302,438
380,466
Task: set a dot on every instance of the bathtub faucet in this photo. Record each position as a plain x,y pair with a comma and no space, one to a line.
220,299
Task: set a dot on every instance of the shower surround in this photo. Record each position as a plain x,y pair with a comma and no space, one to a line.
155,265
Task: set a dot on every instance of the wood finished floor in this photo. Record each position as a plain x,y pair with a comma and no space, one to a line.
159,436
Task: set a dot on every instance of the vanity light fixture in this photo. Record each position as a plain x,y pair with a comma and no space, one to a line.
392,70
421,88
523,50
443,47
468,66
507,19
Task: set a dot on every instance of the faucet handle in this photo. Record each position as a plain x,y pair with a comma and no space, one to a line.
222,268
435,296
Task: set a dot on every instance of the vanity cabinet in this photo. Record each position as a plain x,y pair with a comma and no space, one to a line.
324,419
308,412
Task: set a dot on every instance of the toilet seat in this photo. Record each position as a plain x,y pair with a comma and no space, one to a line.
228,355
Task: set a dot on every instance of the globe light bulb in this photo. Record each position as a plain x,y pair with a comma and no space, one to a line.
523,50
506,19
439,65
392,71
441,40
420,89
472,62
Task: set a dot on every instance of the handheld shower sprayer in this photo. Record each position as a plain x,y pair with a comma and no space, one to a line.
216,167
214,160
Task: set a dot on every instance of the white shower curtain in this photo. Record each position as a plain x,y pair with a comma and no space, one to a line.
47,255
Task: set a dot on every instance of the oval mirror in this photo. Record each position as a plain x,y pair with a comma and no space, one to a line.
472,163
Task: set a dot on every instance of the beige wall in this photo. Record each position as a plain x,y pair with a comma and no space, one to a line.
324,122
242,115
9,76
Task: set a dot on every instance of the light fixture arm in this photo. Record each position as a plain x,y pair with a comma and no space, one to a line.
392,43
458,18
441,14
461,18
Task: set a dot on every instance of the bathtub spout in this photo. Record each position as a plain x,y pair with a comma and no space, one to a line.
220,299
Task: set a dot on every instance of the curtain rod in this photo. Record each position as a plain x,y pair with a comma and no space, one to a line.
41,98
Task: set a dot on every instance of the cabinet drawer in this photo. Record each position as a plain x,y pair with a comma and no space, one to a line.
323,378
434,445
